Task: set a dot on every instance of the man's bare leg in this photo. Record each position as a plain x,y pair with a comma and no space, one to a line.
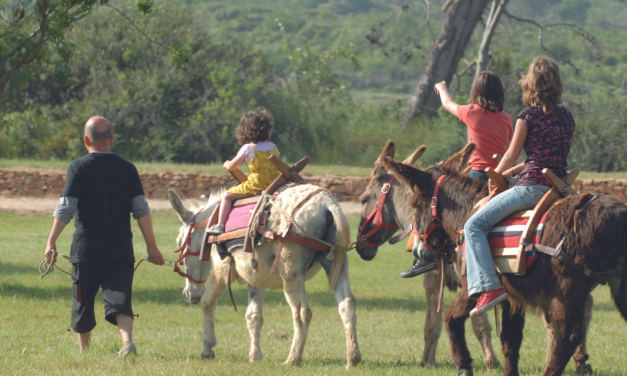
83,340
125,324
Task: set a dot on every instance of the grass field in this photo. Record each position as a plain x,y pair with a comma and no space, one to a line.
35,316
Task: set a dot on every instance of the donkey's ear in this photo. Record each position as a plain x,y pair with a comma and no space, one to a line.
417,180
388,151
459,160
178,206
412,159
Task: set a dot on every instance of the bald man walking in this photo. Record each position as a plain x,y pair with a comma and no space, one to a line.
101,191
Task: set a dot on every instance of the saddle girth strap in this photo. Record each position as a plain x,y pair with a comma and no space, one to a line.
286,233
564,258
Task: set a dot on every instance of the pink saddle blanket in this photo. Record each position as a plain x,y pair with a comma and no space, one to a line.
239,217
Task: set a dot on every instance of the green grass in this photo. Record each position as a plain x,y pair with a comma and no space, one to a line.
209,169
35,316
215,169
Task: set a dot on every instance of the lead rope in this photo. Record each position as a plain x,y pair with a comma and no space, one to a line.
229,284
496,320
52,266
441,285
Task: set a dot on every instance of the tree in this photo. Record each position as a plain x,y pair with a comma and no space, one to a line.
449,48
28,27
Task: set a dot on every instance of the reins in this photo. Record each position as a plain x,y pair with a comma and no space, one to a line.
376,218
185,249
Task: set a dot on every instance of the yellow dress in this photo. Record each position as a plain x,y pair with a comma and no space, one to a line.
262,174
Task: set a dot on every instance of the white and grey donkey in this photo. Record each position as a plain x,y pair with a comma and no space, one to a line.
321,217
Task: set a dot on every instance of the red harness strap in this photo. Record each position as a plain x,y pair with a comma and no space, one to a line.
185,249
435,222
376,217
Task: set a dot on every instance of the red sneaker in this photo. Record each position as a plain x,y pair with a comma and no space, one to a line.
488,300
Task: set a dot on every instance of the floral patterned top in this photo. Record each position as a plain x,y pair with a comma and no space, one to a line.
547,144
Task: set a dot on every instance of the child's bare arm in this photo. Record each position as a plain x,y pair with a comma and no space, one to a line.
232,165
447,102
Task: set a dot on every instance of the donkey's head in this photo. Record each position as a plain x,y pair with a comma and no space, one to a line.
195,268
372,234
432,235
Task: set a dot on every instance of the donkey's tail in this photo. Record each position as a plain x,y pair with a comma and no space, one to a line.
342,244
618,282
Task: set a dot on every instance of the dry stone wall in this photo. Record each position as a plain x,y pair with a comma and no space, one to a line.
50,184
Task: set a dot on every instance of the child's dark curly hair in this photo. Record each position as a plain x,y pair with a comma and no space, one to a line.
255,126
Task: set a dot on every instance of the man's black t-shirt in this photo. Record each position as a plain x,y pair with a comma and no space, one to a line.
104,185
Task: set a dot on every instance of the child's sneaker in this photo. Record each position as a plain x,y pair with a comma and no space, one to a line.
128,348
488,300
216,230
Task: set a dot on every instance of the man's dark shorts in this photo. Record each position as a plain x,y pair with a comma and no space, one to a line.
116,279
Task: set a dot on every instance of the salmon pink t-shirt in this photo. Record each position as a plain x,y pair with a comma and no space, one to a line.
490,131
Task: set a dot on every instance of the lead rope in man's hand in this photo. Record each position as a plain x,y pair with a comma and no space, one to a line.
50,267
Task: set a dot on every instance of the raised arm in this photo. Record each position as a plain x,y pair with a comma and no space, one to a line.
447,102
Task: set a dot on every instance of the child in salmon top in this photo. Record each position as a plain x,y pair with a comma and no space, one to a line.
489,127
253,132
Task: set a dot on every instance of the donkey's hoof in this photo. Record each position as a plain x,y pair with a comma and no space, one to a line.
293,362
465,372
584,369
207,354
353,361
256,356
492,363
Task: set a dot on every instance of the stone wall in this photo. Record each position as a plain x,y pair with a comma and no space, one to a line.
50,184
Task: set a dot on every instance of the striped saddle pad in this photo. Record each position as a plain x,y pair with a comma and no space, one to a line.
504,238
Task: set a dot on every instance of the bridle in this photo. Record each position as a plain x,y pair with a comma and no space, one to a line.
376,218
185,249
435,221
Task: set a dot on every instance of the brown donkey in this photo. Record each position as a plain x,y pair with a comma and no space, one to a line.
397,213
560,291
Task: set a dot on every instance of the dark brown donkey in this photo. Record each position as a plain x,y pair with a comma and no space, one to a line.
560,291
398,213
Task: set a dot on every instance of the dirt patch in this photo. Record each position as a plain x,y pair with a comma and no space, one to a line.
46,206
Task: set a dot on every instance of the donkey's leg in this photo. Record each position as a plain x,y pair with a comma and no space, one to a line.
581,354
215,287
294,289
454,317
347,305
483,331
511,337
569,324
254,319
433,320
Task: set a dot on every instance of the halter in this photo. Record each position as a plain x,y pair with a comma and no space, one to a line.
376,217
185,248
435,222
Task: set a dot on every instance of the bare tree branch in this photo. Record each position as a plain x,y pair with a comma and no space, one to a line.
581,32
498,7
137,28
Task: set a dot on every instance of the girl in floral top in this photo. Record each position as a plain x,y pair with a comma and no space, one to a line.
544,129
253,133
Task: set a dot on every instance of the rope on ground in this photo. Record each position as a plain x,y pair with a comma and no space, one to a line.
50,267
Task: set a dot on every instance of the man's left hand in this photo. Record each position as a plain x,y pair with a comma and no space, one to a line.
155,256
50,249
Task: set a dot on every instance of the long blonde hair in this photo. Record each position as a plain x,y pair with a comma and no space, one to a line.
542,85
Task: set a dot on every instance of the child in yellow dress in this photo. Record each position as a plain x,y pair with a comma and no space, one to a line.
253,133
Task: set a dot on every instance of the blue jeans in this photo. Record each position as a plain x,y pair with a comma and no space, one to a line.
478,175
479,268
